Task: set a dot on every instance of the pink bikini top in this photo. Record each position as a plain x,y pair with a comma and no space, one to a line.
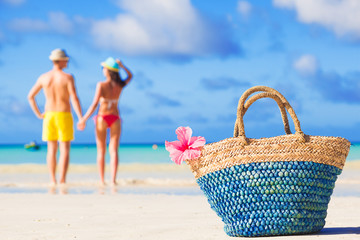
109,101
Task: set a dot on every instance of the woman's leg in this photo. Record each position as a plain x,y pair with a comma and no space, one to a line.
51,159
101,127
115,131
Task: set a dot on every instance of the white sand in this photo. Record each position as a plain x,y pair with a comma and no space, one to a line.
118,213
126,216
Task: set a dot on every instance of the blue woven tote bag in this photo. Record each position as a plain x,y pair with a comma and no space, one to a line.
270,186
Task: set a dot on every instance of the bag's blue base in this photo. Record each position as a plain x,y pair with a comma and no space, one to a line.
272,198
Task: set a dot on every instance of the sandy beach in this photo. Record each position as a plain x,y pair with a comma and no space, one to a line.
129,216
162,203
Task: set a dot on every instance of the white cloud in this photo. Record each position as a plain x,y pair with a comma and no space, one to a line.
60,23
284,3
342,17
57,22
244,8
11,105
163,28
28,25
14,2
306,65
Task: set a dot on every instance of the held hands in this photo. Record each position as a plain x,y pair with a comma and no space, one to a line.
81,124
41,116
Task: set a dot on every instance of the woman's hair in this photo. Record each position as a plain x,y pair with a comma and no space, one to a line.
115,76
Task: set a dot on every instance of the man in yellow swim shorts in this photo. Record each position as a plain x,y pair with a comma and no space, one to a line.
59,89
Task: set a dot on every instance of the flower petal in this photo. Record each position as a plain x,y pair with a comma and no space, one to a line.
179,158
175,152
192,153
186,148
196,142
170,146
184,135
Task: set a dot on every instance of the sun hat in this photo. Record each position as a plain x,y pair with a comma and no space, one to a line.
111,64
58,54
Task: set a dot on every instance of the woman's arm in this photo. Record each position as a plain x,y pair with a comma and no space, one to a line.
129,74
93,106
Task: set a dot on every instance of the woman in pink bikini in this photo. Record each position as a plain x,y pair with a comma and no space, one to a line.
107,94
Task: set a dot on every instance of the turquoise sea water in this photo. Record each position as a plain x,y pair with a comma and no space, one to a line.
354,153
144,168
86,154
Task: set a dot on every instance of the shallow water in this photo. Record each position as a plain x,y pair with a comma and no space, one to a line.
129,153
143,169
86,154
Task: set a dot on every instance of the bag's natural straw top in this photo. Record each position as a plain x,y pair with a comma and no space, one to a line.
291,147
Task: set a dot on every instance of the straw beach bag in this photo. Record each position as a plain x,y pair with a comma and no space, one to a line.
270,186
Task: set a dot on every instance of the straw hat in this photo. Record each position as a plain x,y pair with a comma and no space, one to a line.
111,64
58,54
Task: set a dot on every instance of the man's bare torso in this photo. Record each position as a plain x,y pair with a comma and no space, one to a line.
56,85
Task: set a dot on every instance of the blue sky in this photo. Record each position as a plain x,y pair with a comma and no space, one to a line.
191,61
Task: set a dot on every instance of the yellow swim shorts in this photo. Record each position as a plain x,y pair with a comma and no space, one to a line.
58,126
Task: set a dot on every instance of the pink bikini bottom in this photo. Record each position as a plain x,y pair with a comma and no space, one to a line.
109,119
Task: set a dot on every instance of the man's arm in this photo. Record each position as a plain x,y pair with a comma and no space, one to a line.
31,98
74,98
82,122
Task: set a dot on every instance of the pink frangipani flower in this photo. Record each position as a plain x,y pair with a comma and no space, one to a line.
186,148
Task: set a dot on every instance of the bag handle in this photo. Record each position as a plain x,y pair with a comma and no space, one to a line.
281,106
266,92
250,101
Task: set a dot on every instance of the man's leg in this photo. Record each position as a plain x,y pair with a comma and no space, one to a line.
51,159
64,160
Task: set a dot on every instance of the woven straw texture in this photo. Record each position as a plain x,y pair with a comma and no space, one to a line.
270,186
